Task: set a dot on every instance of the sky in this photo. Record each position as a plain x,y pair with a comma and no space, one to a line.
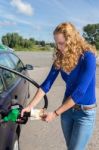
38,18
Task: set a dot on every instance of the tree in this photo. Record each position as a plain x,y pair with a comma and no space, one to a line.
52,45
14,39
42,43
91,34
32,40
5,40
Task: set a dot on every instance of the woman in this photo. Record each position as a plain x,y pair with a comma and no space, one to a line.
75,59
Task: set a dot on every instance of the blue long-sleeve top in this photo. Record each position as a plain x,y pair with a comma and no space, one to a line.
80,82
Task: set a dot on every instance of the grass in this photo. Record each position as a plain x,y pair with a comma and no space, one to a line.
34,48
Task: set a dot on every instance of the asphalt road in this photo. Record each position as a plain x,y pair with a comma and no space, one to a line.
39,135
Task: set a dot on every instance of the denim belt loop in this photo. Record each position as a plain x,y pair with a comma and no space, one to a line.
82,107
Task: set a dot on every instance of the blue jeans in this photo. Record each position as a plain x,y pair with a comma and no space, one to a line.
77,127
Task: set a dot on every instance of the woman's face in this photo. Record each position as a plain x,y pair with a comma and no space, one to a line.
60,42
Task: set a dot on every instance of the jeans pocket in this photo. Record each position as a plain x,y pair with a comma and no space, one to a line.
89,112
89,116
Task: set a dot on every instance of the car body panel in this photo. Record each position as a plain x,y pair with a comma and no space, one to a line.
19,90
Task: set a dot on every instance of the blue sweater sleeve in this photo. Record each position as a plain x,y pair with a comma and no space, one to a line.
47,83
86,77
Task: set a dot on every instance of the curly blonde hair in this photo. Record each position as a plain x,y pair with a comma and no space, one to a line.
76,45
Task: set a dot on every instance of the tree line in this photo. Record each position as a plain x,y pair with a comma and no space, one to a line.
14,40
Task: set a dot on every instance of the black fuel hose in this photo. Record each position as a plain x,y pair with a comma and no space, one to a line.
28,79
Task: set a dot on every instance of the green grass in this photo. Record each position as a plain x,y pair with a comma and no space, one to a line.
34,48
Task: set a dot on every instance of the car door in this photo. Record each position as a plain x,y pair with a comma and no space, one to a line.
4,128
17,86
8,80
14,86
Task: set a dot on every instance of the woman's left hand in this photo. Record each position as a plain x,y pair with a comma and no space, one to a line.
49,117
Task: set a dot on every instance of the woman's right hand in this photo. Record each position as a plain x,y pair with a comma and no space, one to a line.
26,109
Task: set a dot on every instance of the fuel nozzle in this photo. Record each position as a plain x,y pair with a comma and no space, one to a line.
14,113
